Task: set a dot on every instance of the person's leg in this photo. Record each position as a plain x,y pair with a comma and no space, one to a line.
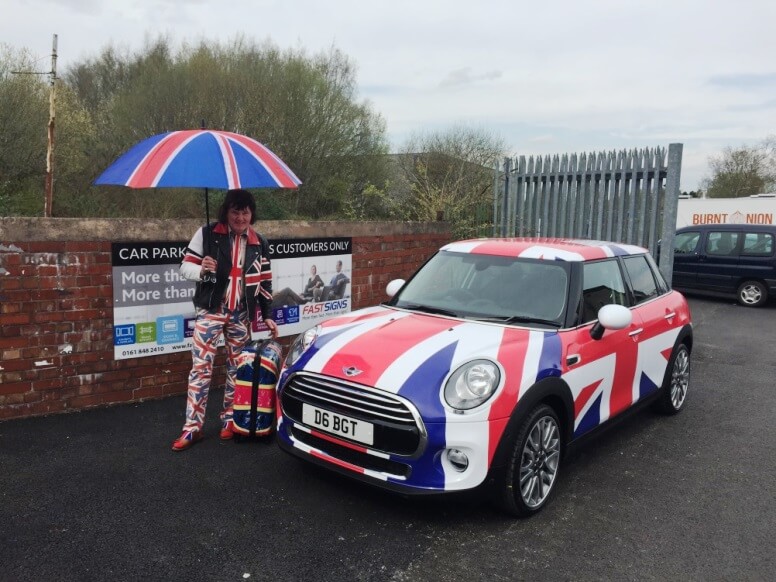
237,335
207,331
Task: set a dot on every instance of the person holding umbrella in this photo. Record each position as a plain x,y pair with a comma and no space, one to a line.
230,263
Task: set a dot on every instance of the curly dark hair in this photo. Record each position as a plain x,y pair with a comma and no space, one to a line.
237,199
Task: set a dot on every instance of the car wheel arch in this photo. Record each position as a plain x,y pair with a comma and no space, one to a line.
553,392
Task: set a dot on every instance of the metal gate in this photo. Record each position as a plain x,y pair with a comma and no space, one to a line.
629,197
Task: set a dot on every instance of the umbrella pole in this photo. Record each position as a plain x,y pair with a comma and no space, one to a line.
206,250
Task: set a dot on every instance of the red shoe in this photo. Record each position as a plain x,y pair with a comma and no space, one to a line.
226,432
187,439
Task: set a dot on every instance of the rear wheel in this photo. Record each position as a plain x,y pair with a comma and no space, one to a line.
752,294
677,381
534,464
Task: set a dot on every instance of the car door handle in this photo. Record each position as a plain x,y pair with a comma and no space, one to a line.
636,332
670,315
573,360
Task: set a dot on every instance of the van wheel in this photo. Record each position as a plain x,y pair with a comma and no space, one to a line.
752,294
534,464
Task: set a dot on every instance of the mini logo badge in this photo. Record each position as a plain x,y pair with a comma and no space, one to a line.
351,371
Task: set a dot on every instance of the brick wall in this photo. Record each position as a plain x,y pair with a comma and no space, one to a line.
56,304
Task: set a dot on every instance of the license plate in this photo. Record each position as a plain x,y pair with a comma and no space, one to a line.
357,430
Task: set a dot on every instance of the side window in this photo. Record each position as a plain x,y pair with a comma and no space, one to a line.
662,286
686,242
642,279
758,244
602,284
722,243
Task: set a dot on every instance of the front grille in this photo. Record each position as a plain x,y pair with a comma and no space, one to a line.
397,427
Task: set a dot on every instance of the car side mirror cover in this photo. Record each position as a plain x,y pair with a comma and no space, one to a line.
393,287
611,317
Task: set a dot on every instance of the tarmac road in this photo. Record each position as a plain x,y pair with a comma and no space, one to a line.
98,495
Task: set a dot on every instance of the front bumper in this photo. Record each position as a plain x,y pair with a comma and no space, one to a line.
428,473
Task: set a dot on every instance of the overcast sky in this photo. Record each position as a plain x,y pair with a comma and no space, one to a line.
548,77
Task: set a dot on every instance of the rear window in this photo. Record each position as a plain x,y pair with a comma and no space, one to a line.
758,244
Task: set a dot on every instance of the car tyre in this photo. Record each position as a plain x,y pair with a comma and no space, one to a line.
676,383
752,294
534,464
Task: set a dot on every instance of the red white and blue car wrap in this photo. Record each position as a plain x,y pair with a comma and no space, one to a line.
394,356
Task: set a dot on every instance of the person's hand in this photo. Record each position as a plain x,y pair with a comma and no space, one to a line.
273,328
209,265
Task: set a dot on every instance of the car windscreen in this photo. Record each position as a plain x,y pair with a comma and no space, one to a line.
489,288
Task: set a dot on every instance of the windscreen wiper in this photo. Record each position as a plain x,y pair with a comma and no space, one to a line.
428,309
521,319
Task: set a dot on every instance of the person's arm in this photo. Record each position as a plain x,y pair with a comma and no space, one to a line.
191,266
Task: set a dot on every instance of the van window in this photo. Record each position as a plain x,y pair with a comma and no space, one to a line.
685,242
602,285
642,279
758,244
721,243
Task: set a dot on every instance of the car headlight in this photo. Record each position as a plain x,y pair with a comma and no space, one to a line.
472,384
300,345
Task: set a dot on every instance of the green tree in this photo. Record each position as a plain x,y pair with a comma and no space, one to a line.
742,171
23,119
304,108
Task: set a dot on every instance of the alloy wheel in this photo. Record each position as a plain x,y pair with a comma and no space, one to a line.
539,461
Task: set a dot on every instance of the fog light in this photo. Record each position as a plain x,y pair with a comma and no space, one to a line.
458,459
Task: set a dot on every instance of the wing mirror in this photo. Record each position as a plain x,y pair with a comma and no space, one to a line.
611,317
393,287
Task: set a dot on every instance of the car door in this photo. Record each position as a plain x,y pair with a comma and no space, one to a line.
600,372
718,262
686,256
756,260
660,313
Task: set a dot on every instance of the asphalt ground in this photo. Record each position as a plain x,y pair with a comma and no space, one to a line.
99,495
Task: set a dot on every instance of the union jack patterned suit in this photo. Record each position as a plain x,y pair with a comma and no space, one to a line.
243,284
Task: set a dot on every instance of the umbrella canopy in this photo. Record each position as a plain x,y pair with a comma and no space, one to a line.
199,158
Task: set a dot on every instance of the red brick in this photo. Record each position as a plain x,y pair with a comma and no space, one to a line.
9,283
85,401
14,387
148,392
50,384
11,399
49,270
14,319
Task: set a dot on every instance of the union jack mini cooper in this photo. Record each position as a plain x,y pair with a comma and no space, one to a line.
484,366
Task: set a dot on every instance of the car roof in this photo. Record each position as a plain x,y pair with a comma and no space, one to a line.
559,249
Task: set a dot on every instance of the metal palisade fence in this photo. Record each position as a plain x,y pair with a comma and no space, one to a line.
626,196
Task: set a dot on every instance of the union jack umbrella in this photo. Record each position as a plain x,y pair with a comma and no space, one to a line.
199,158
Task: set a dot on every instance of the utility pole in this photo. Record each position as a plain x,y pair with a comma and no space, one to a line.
48,201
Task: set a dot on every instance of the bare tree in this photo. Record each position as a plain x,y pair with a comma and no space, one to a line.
742,171
448,174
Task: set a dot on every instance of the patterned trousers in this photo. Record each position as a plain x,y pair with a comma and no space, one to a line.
209,328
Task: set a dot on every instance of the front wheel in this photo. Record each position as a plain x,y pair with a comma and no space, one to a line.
752,294
534,464
677,381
